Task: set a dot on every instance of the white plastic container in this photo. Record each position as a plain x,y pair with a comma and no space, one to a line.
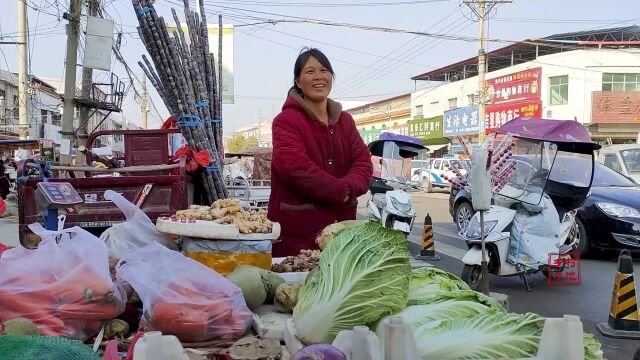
562,339
359,344
155,346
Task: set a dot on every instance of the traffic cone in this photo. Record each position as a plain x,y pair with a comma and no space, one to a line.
428,246
624,320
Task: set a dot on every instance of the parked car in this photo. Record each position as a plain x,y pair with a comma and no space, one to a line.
624,159
437,168
608,220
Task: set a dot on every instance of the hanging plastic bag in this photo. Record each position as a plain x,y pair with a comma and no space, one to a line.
136,232
184,298
63,286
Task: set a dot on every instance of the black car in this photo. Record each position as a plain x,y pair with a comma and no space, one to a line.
609,218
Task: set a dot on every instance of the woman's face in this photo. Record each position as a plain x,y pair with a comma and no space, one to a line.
315,80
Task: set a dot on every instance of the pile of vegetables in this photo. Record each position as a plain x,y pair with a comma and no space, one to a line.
229,211
364,279
363,275
307,260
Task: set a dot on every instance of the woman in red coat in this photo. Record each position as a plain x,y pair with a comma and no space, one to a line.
320,163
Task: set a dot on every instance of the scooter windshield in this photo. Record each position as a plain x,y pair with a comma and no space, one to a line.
396,161
534,161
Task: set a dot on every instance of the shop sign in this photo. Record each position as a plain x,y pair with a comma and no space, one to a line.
461,121
615,107
431,128
370,136
516,87
498,115
400,129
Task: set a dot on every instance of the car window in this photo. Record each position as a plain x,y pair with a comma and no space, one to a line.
604,176
631,159
611,161
436,164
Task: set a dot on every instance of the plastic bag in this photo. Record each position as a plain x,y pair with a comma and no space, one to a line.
63,286
223,256
136,232
182,297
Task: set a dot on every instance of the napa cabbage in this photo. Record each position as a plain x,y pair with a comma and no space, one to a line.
363,275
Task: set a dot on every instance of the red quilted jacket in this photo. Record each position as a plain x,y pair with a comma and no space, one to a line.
314,167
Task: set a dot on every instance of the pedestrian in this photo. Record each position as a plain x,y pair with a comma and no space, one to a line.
320,163
5,184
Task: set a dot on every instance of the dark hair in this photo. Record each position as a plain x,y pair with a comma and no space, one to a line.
302,59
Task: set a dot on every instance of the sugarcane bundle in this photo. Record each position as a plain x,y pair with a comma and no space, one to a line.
183,71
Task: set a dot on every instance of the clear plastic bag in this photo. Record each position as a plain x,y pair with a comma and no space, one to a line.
136,232
63,286
184,298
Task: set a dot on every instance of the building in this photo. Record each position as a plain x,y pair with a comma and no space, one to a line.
260,130
592,77
377,117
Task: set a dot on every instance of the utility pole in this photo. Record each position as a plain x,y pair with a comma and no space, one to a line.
23,82
73,29
145,103
481,8
85,93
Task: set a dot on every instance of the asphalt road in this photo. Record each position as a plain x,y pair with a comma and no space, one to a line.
590,300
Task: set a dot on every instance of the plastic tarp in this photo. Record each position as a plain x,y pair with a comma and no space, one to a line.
533,235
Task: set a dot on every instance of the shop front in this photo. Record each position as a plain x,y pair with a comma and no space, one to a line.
615,117
431,132
462,122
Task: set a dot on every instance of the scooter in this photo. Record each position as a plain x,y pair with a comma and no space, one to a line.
389,202
530,226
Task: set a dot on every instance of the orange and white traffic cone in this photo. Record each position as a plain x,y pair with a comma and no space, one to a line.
624,319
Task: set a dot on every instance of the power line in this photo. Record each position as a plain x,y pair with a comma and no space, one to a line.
319,4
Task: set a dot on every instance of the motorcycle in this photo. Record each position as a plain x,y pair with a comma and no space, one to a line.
530,225
389,202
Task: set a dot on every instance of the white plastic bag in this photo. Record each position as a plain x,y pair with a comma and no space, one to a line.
184,298
63,286
136,232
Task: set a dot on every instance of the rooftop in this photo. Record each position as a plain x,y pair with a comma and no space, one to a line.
530,49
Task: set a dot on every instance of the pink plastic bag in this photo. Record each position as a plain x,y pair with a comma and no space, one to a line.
63,286
184,298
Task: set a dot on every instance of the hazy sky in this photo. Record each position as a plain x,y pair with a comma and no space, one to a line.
370,65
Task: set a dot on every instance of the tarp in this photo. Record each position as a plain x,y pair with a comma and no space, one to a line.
547,130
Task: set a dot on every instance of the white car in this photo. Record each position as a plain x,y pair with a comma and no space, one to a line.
624,159
431,173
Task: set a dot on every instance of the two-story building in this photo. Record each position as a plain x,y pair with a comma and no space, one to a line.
592,77
388,115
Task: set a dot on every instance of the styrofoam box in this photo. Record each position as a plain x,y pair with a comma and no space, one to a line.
210,230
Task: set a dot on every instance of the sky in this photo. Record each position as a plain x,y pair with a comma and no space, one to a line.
369,65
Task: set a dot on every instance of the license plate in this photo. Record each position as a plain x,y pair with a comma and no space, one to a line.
401,226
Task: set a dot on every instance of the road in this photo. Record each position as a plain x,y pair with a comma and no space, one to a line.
590,300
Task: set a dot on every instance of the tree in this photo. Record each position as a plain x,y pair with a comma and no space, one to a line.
240,143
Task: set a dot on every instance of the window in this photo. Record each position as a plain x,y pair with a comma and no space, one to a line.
620,82
436,164
373,128
384,127
453,103
559,90
611,161
419,111
472,99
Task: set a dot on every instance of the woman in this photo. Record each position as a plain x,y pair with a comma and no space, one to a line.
320,163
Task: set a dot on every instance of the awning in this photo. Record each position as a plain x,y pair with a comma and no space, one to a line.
433,148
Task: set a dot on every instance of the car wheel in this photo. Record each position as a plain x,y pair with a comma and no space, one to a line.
472,275
463,213
582,247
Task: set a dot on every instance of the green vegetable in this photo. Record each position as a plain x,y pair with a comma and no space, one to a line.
271,281
19,326
363,275
286,297
592,348
116,328
427,282
494,336
456,305
249,280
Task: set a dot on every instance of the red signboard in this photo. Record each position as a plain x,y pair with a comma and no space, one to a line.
615,107
516,87
498,115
